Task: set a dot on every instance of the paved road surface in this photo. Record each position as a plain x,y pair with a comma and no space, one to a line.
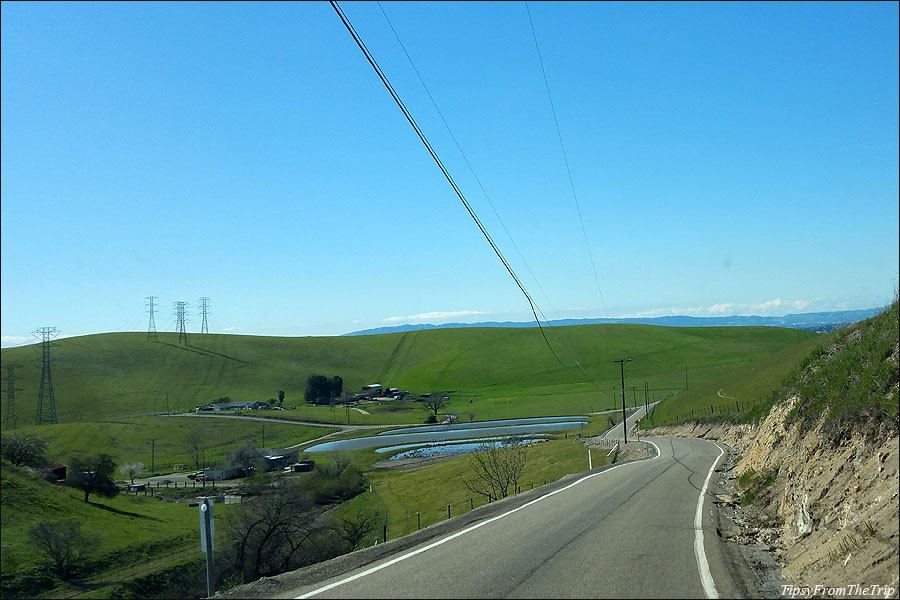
625,531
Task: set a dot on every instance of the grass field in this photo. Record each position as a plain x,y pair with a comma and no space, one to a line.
739,390
506,372
131,439
132,529
429,490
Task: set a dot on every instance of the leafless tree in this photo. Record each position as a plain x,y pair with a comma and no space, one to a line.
197,448
268,531
354,527
64,544
244,457
497,468
436,401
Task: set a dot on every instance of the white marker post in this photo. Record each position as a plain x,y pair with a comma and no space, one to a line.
207,539
589,460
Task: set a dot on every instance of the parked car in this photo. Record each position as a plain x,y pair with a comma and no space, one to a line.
198,476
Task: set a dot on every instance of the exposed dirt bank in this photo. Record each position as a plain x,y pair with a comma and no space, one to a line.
829,514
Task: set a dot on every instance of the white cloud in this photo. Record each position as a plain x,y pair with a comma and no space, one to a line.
434,316
772,308
8,341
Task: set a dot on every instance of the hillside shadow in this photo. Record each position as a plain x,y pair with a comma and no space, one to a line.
124,512
204,352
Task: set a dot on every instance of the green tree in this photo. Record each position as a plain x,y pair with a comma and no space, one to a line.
24,449
93,475
317,389
320,388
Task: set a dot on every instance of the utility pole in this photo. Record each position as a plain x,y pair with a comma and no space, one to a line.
180,307
167,402
622,362
646,396
153,455
204,309
9,413
46,408
634,396
151,330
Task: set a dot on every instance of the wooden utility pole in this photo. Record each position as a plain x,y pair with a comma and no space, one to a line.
622,362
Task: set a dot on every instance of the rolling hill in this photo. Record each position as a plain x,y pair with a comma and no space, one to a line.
114,375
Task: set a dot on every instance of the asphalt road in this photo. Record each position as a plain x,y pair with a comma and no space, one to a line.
627,531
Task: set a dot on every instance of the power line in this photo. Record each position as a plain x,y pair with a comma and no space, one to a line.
443,169
566,159
466,159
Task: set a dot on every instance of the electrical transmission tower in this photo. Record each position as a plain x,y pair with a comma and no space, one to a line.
46,408
180,308
9,413
151,330
204,308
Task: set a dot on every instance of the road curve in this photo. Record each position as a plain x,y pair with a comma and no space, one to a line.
629,530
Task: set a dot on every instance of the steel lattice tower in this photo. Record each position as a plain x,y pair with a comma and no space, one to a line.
46,408
9,413
204,308
180,307
151,330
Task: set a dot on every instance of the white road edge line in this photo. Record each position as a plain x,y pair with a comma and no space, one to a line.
459,533
709,586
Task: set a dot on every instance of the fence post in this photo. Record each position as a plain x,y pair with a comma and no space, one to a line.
448,511
419,521
471,504
385,532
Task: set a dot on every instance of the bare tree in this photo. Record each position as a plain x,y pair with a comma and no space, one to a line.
64,544
268,531
498,467
244,457
197,448
353,528
436,401
132,469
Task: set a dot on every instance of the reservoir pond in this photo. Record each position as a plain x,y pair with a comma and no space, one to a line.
473,431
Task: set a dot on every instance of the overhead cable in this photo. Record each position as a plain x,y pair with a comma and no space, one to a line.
443,169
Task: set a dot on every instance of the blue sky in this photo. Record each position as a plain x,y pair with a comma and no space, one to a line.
726,158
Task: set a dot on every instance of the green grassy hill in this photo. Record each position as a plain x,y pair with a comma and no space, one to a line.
510,372
132,529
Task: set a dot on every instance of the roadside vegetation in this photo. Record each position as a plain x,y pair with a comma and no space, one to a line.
849,375
853,382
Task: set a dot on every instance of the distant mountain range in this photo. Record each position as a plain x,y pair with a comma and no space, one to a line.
820,322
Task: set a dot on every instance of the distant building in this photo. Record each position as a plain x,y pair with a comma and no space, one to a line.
373,390
226,471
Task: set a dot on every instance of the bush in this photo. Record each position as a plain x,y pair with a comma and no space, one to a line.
64,544
430,419
24,449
